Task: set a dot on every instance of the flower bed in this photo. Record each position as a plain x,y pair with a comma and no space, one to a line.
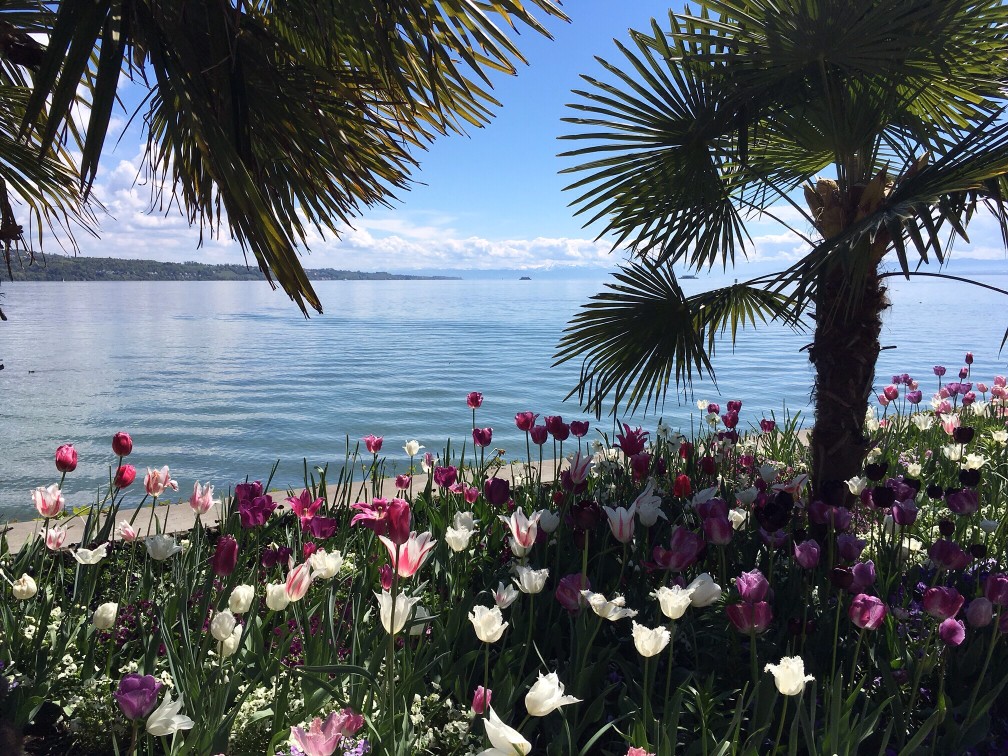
663,595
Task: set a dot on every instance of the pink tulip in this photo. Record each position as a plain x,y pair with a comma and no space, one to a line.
952,632
891,392
385,576
867,612
474,399
407,558
373,515
402,482
299,580
752,586
579,428
445,476
1001,381
883,400
66,458
322,738
806,554
54,537
157,481
621,522
481,699
399,520
48,501
482,437
304,506
127,532
523,530
373,443
122,444
471,494
750,618
525,420
201,499
125,475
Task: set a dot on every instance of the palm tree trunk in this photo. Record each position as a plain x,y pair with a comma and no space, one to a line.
844,352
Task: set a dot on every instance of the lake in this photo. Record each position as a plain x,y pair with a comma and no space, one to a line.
219,380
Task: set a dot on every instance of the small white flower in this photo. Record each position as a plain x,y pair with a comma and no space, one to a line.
789,675
91,556
702,404
747,496
165,719
768,472
506,741
989,526
663,431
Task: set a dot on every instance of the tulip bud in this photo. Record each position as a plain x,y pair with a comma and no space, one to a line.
481,699
66,458
24,587
105,616
124,476
225,556
122,444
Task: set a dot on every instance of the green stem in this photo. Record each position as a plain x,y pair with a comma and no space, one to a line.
857,650
486,674
968,720
668,670
780,726
753,664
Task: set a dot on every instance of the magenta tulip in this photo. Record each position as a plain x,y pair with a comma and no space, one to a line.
373,443
482,436
525,420
806,554
481,699
631,441
225,556
399,516
445,476
752,586
685,548
124,476
122,444
474,400
750,618
539,434
579,428
952,632
996,589
66,458
867,612
942,602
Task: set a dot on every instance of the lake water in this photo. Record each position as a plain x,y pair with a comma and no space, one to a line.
221,379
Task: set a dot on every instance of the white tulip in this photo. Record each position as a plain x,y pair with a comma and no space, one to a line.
674,601
325,565
165,719
650,642
505,595
488,623
458,538
705,590
789,675
506,741
548,520
241,599
857,484
412,448
547,695
24,587
529,580
222,625
91,556
161,546
276,597
230,644
610,610
394,621
105,616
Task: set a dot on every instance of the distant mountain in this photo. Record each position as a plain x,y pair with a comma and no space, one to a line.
63,268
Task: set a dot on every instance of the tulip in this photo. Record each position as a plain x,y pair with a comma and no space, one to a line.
948,555
403,608
402,482
996,589
124,477
320,739
849,547
202,498
806,554
409,557
952,632
373,443
105,616
126,531
579,428
122,444
66,458
650,642
165,720
980,612
276,597
222,625
458,538
161,546
704,590
24,587
481,699
608,610
91,556
685,548
505,595
682,488
674,600
750,617
621,522
445,477
496,491
631,441
230,644
789,675
766,425
48,501
867,612
528,580
241,599
523,531
225,556
862,576
525,420
137,695
718,530
506,741
156,482
326,565
489,624
299,580
549,521
752,586
547,695
474,400
54,537
482,437
569,591
942,603
538,434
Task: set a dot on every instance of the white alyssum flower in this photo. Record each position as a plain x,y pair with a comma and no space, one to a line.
610,610
648,641
529,580
91,556
789,675
105,615
241,598
165,719
674,600
547,695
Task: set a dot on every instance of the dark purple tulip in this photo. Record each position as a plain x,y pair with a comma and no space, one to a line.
969,358
734,405
963,372
862,576
496,490
525,420
875,471
849,547
883,497
945,526
952,632
773,538
553,423
248,491
640,464
904,512
225,556
978,550
902,488
321,527
969,478
841,577
942,602
806,554
914,397
766,425
935,491
939,370
712,508
482,437
685,547
963,434
962,501
137,695
965,388
718,530
539,434
560,431
750,618
714,408
579,428
445,476
947,555
996,589
568,591
730,419
585,514
980,612
867,612
752,586
274,555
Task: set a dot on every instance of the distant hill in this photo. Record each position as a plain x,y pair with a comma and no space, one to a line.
63,268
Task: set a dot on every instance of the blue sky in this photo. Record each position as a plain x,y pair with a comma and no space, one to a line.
490,200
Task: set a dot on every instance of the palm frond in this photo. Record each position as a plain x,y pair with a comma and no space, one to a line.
643,332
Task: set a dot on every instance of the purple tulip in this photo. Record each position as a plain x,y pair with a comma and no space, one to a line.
579,428
525,420
914,397
752,586
225,556
539,434
255,512
939,370
685,548
962,501
867,612
137,695
948,555
942,603
996,589
750,618
718,530
568,591
712,508
980,612
445,476
482,436
806,554
963,372
849,547
734,405
497,491
714,408
952,632
767,425
862,576
322,527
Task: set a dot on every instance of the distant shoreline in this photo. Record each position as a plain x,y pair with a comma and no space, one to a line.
62,268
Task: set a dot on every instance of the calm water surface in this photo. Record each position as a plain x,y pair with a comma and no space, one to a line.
221,379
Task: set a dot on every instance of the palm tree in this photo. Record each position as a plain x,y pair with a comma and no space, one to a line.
273,117
877,123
